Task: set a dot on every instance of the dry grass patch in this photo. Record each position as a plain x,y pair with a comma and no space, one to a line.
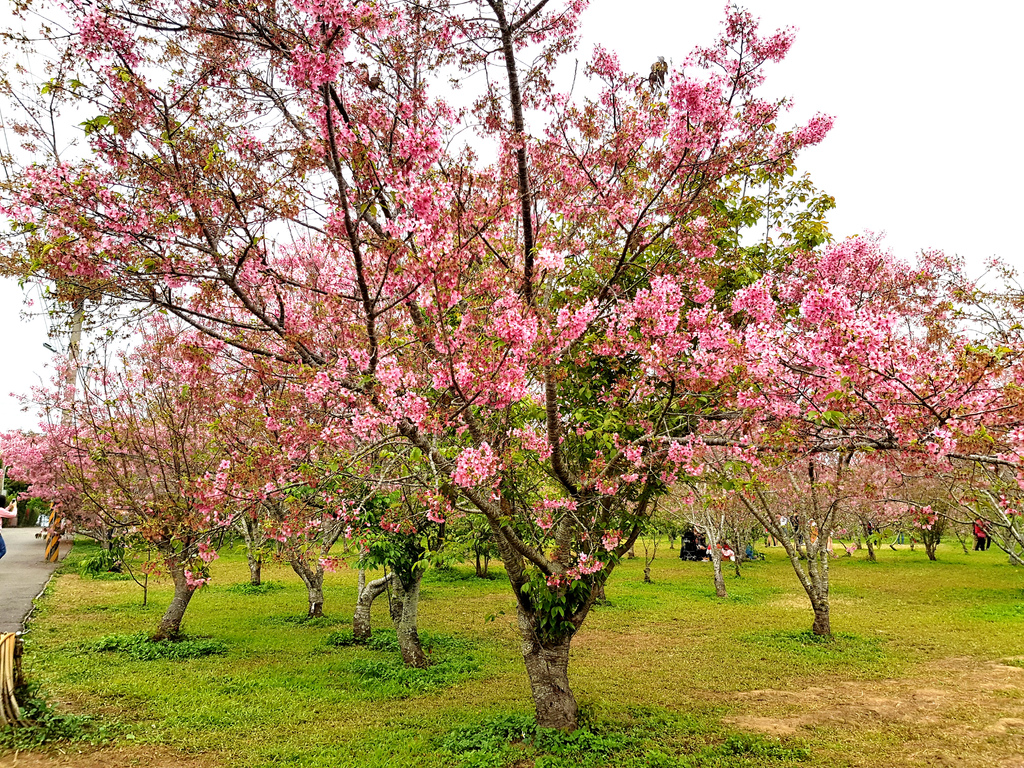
951,709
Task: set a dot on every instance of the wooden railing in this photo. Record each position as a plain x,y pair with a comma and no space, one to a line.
10,678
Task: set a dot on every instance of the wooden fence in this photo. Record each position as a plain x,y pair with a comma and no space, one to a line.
10,678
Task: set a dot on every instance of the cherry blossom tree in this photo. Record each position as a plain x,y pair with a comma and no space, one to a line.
398,531
282,468
130,453
984,477
709,510
857,363
534,318
254,533
301,476
989,493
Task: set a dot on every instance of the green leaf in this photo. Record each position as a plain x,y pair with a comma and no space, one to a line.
95,124
833,418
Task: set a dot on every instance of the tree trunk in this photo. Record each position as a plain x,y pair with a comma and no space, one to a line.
405,615
248,527
813,578
817,589
255,568
482,562
871,550
170,624
739,542
822,626
313,578
963,542
548,670
368,592
316,601
716,560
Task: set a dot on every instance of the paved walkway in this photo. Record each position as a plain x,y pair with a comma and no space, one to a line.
23,574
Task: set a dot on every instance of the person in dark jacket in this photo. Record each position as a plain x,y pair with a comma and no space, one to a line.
688,549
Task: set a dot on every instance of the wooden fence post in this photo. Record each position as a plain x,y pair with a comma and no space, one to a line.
10,678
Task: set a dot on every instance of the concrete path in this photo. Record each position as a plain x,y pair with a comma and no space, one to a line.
23,574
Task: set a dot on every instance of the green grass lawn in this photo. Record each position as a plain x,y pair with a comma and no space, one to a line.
667,674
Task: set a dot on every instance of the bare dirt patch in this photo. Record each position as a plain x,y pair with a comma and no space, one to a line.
956,711
111,757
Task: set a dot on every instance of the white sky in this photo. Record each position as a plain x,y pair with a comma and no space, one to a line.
926,97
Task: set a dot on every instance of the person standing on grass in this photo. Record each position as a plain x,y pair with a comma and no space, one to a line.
981,541
5,511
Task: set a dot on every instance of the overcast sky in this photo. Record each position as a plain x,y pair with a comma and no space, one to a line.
925,147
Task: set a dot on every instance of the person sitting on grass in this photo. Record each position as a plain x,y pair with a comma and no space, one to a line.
752,554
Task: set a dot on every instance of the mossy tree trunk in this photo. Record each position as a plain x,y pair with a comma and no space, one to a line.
405,616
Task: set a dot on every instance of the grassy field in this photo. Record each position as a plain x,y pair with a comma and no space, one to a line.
927,669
